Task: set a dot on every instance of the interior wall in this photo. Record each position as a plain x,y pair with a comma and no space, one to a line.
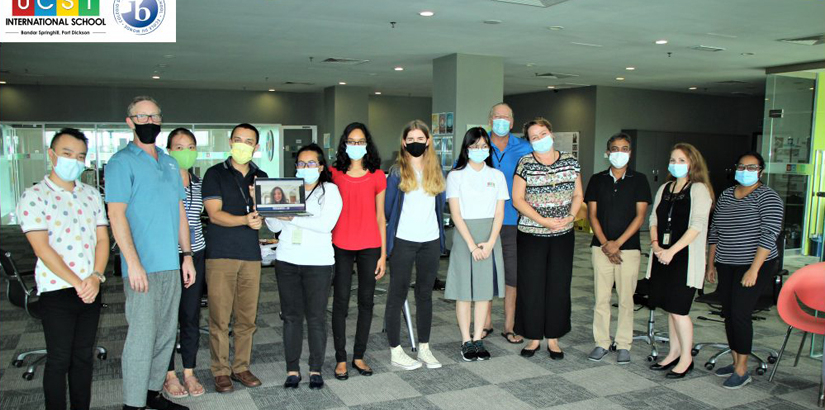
388,115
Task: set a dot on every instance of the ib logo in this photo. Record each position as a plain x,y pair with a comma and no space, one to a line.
140,16
55,8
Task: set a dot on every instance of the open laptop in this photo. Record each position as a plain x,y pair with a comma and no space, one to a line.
280,197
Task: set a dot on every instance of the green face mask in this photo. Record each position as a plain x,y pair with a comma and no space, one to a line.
186,158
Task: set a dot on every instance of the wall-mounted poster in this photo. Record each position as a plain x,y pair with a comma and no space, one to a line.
437,142
442,123
434,126
446,160
567,142
449,123
447,143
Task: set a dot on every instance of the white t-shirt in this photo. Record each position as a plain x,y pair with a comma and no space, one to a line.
478,192
417,222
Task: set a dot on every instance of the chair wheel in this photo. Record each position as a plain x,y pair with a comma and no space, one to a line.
101,356
651,358
28,376
771,359
710,366
760,371
17,363
694,352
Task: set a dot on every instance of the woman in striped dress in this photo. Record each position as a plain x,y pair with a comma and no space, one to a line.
743,256
182,146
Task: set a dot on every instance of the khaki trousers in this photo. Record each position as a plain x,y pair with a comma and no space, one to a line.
233,288
624,276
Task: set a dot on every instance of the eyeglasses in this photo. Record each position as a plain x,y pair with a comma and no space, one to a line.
144,118
310,164
479,147
360,143
749,167
620,149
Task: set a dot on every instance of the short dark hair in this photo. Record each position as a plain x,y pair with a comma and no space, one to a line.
74,132
619,136
371,161
540,121
754,154
177,131
248,127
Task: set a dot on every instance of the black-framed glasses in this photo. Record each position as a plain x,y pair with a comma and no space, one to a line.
485,146
144,118
620,149
748,167
360,143
302,164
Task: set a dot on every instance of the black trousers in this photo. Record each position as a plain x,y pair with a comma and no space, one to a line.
425,256
70,328
738,301
304,291
366,259
189,313
545,270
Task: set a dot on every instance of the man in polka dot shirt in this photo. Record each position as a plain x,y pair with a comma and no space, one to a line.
65,222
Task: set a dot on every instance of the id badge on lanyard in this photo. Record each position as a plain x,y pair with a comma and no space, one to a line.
666,235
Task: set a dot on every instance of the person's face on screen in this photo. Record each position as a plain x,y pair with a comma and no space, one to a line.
277,195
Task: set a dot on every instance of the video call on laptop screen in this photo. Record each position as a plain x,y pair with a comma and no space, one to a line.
279,194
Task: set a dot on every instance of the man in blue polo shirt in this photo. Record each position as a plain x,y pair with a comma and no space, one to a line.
507,149
145,193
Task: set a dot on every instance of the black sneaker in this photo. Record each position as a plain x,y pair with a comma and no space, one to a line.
468,352
481,352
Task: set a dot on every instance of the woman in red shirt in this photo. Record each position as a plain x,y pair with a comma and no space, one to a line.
358,238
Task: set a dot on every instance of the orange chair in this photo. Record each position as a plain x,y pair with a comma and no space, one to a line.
805,286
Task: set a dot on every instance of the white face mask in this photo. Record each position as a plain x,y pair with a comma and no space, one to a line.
618,159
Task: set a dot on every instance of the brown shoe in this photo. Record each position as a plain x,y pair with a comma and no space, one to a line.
246,378
223,384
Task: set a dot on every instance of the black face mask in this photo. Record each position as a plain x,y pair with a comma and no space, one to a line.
147,133
416,149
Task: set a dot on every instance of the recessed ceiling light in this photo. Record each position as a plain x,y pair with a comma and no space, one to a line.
426,13
747,54
271,89
168,56
2,83
691,88
342,83
619,78
555,28
552,87
399,68
492,21
378,93
661,42
156,77
585,44
630,68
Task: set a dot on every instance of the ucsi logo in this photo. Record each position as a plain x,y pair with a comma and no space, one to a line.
47,8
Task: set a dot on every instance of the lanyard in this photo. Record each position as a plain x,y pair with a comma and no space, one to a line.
244,195
499,158
670,210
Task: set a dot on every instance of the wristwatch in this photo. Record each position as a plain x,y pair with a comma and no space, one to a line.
100,276
187,253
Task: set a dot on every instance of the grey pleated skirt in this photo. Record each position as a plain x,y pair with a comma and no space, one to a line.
469,280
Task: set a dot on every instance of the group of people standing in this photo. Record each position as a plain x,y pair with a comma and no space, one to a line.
513,202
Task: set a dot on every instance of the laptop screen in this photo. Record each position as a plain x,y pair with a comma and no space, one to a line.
279,194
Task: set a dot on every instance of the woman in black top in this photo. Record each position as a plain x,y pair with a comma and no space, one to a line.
743,255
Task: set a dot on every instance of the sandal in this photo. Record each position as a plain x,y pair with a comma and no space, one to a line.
511,338
174,389
486,332
193,386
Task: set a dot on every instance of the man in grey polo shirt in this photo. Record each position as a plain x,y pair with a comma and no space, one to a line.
145,192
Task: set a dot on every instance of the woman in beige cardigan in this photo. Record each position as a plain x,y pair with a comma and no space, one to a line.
678,231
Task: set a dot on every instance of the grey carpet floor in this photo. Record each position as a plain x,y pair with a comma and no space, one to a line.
508,381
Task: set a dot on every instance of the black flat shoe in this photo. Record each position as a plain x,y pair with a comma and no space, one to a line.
529,353
316,381
362,371
555,355
673,375
292,382
662,367
342,376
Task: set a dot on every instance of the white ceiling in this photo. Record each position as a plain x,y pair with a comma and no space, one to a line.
238,44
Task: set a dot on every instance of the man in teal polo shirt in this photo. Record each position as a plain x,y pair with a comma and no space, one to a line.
507,149
145,192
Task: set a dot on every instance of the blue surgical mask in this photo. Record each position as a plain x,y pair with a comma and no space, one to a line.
678,170
309,175
501,127
478,155
747,178
543,145
68,169
356,152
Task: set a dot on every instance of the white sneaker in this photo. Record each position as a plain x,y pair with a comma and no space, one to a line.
425,355
400,359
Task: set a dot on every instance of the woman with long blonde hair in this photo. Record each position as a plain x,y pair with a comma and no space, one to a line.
415,235
678,231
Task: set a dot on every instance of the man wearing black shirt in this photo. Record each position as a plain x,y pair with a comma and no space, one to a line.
617,200
233,258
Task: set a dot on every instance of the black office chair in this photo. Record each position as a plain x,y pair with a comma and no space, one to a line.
764,304
651,336
22,296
